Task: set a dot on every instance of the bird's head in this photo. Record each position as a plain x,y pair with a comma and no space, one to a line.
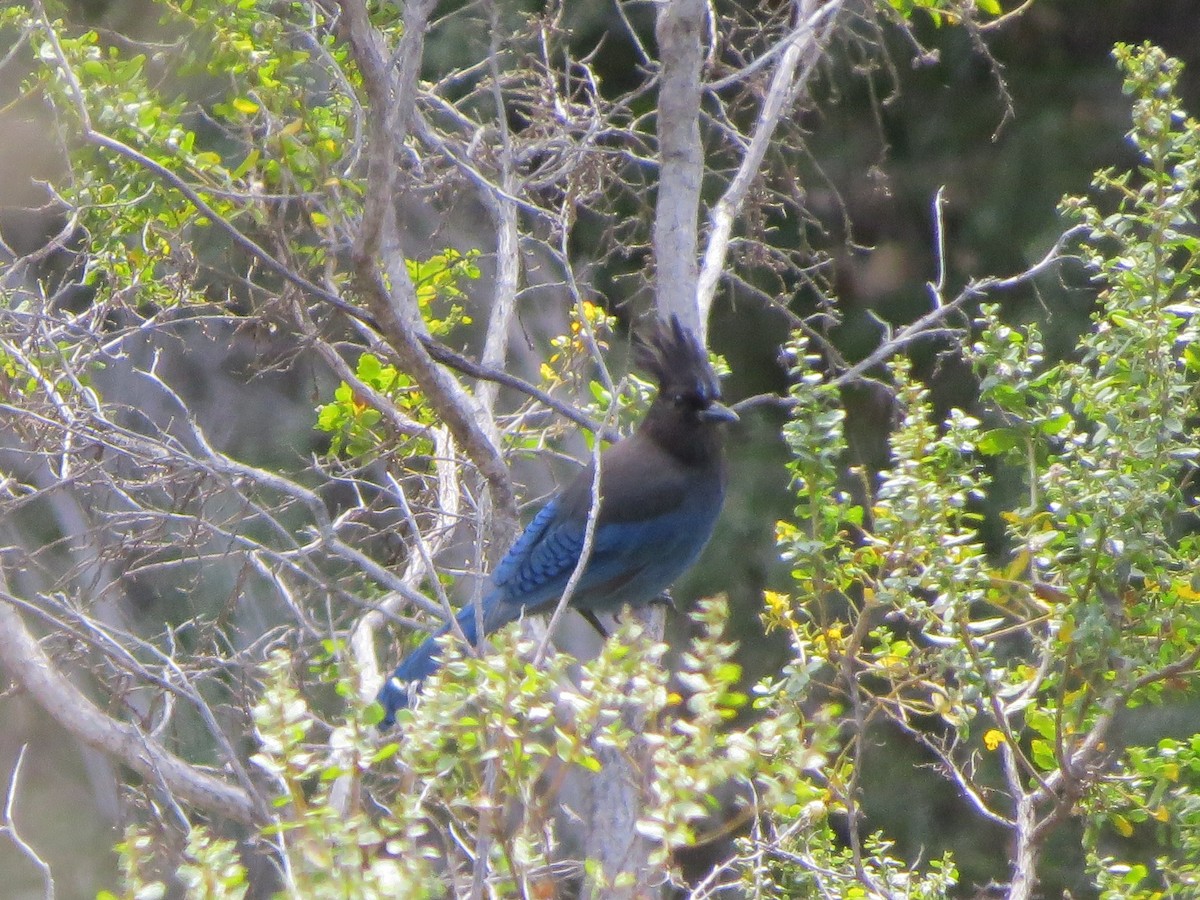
688,406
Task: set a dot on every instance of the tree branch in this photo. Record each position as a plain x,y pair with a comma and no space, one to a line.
941,311
379,261
8,825
680,32
802,47
28,666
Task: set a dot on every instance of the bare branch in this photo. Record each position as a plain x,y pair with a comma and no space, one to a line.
680,30
974,290
504,217
28,666
801,51
460,363
379,259
8,826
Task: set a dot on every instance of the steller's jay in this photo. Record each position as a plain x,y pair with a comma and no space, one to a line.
661,490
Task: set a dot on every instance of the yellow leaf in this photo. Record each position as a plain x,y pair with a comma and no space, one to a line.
247,107
1162,814
1122,824
1066,631
1187,592
1018,567
206,159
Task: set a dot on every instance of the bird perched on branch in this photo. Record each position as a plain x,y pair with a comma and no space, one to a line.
661,490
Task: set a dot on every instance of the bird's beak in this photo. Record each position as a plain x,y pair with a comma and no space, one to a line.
717,413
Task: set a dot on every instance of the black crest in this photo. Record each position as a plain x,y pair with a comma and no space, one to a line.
674,356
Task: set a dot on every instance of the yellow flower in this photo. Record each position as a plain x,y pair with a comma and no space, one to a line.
778,603
778,612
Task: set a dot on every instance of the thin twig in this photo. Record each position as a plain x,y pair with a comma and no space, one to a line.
585,552
801,51
8,826
27,664
974,290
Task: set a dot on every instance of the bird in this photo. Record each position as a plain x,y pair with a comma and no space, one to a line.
661,491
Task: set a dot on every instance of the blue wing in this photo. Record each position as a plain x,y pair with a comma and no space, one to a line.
632,560
548,543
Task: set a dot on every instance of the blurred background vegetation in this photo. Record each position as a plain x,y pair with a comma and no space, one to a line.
1006,138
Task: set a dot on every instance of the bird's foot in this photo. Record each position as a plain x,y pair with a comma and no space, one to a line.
665,599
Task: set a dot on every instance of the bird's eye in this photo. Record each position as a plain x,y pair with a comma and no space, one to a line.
688,401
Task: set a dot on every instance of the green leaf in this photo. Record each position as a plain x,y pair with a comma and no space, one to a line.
999,440
1043,755
1191,357
387,751
1041,722
369,367
206,160
1055,425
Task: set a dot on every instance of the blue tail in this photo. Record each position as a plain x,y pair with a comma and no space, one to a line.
424,661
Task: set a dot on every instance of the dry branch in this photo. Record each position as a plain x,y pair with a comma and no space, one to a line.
28,666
